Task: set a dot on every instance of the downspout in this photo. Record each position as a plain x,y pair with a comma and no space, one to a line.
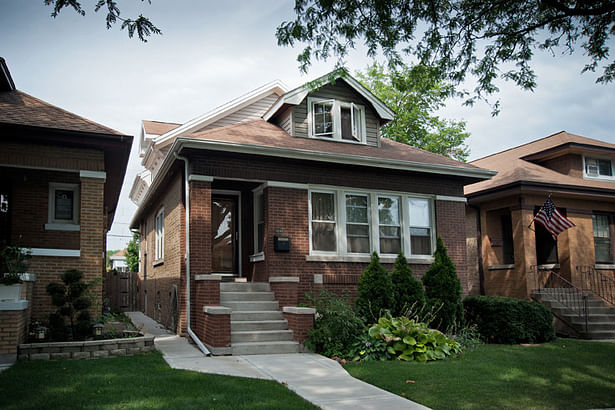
194,337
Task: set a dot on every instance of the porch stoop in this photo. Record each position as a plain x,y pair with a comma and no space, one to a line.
257,324
600,316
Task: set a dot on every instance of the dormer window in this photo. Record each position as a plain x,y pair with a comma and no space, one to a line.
598,168
336,120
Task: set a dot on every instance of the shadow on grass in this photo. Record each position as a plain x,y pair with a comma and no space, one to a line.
136,382
566,374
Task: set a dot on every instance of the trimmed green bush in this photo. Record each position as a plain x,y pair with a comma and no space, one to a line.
408,292
443,290
375,291
69,296
509,320
336,326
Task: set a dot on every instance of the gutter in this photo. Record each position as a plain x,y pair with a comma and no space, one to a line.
187,258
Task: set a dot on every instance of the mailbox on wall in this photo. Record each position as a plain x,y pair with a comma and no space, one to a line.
281,243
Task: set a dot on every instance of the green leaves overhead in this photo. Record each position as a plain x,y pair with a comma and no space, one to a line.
482,39
416,93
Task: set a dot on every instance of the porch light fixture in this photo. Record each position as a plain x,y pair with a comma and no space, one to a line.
98,329
40,332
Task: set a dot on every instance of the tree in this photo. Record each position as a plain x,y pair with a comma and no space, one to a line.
375,291
132,253
141,25
407,290
415,93
485,39
443,288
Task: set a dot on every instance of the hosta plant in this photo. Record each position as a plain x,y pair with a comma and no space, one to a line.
367,348
413,341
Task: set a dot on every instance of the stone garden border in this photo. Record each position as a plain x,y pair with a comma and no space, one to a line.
87,349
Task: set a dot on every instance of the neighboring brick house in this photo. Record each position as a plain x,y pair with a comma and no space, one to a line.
60,179
295,188
579,175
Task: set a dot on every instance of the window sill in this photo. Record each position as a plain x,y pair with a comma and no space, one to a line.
548,266
333,139
158,262
605,266
257,257
366,258
62,227
501,267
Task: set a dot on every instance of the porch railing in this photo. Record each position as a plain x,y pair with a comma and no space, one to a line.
563,292
598,283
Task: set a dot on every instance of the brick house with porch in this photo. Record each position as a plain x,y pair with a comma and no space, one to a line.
60,180
516,260
288,191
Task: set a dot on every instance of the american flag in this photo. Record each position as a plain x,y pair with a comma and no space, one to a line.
552,220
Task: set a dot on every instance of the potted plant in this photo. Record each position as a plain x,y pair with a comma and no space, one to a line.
15,262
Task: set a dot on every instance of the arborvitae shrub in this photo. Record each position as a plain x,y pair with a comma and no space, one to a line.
507,320
408,292
375,291
443,288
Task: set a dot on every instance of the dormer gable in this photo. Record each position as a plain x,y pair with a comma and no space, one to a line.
335,107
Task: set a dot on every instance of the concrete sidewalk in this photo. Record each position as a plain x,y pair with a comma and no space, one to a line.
320,380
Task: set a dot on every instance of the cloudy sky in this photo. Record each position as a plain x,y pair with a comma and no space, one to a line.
212,52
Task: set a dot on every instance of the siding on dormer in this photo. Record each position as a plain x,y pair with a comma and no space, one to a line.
251,112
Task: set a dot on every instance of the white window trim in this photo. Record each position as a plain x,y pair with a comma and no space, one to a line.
159,236
258,256
337,213
376,225
369,222
598,177
62,224
340,208
337,123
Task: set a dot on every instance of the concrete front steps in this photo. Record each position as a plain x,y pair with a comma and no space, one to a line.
257,324
600,318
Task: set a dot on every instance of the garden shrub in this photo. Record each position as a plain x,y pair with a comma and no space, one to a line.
443,289
375,291
412,341
69,297
508,320
336,326
408,292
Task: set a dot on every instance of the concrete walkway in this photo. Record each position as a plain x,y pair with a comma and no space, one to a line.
320,380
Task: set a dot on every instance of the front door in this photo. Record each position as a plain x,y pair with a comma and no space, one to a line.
224,234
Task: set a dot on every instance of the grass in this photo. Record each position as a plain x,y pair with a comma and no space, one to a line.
565,374
135,382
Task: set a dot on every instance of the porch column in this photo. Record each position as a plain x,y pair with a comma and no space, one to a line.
576,247
524,242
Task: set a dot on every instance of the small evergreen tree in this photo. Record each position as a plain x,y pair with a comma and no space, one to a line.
375,290
132,253
407,290
442,287
69,296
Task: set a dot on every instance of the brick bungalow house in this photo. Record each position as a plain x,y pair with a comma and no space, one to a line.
60,179
579,175
288,191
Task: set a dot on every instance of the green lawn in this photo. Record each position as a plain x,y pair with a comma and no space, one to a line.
136,382
565,374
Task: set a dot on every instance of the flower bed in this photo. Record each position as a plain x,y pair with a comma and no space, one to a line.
87,349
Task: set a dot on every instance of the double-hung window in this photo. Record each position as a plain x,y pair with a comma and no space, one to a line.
336,120
160,235
324,232
602,238
598,168
357,223
389,224
352,224
420,226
